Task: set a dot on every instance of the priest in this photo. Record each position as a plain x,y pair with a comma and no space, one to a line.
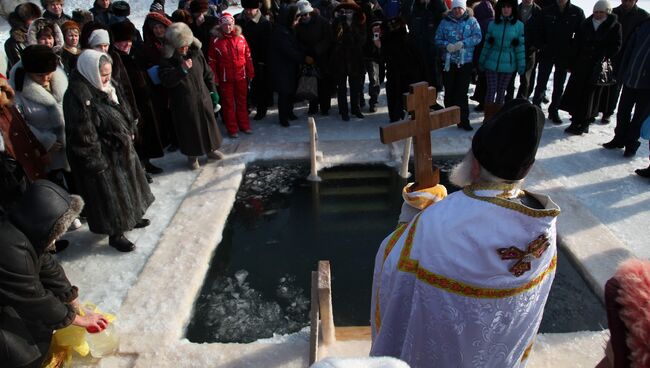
462,281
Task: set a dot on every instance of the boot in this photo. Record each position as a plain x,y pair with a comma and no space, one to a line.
490,110
215,155
574,129
193,162
614,143
142,223
151,168
554,117
644,173
261,113
630,149
465,126
121,243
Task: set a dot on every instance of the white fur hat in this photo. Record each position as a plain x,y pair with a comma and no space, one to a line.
459,4
178,35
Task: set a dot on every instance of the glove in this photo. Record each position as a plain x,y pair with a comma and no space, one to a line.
217,107
215,98
459,45
490,40
451,47
515,42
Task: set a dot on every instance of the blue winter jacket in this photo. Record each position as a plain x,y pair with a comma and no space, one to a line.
452,30
504,48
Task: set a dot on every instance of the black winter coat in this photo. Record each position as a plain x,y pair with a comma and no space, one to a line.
190,102
284,58
17,40
629,20
347,48
148,141
258,36
316,39
34,290
104,163
557,31
581,97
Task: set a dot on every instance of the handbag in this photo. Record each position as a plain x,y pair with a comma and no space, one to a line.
307,84
603,73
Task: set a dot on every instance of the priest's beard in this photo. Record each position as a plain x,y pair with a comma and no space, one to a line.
461,174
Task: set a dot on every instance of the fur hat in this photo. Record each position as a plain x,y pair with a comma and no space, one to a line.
304,7
199,6
122,31
176,36
121,9
27,11
159,18
459,4
82,17
507,144
250,4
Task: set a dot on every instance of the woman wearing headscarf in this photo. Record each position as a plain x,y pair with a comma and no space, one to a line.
40,84
190,82
598,38
100,129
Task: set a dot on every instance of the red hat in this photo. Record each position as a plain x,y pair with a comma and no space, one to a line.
226,18
160,18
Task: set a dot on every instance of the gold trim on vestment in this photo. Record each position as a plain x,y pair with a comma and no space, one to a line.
471,190
406,264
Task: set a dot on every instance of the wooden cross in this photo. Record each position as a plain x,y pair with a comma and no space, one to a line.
419,126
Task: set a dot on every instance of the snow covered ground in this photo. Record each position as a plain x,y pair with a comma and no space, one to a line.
152,290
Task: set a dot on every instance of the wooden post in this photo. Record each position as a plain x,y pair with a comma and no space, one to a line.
419,126
313,138
325,302
406,157
313,314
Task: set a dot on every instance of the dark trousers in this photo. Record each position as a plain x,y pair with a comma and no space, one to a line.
372,68
285,106
355,93
261,95
395,100
324,99
559,77
456,82
526,80
612,98
628,127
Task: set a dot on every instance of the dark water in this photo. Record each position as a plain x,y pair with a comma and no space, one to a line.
282,225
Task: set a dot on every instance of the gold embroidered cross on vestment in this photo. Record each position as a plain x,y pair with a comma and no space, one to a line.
535,249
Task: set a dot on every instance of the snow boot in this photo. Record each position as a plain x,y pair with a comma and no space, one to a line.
644,173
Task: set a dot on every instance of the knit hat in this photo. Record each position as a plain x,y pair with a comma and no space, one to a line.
69,25
250,4
226,18
39,59
99,37
181,16
121,9
122,31
603,5
159,18
506,145
199,6
304,7
458,4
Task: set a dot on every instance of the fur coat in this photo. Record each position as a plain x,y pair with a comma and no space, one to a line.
104,163
43,111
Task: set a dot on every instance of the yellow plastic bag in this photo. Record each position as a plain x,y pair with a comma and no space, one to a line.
72,342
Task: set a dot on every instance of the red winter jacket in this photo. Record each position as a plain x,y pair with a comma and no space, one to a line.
230,57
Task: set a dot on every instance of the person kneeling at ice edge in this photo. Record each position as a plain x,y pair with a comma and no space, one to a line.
35,294
463,280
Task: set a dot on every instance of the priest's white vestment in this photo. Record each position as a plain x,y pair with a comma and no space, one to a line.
464,283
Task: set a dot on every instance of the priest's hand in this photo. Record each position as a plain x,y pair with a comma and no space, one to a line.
417,200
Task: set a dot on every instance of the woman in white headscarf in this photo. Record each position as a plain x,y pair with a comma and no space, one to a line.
100,128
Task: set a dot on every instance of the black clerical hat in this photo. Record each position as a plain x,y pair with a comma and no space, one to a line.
506,145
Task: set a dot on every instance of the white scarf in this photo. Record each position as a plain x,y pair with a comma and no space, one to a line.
597,23
88,67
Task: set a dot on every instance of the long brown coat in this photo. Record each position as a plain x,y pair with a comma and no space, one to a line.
189,95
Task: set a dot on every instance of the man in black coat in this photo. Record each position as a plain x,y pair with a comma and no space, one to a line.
54,11
560,22
315,36
35,294
629,15
202,23
257,31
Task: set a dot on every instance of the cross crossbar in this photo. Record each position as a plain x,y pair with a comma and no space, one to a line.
422,121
